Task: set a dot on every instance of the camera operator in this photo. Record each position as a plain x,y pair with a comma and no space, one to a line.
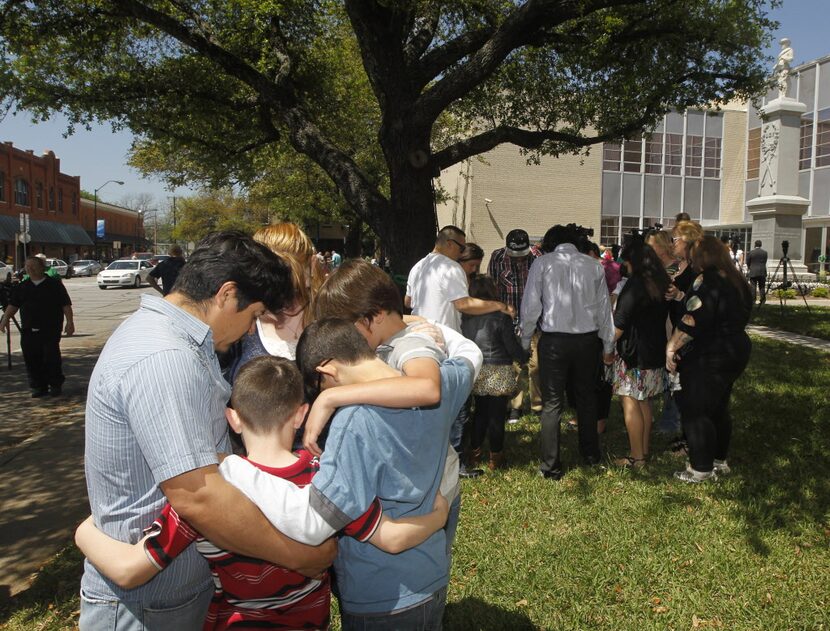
567,296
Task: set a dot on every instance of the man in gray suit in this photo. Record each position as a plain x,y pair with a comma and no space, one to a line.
756,263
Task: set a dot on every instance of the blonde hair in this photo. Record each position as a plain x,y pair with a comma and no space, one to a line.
689,231
293,245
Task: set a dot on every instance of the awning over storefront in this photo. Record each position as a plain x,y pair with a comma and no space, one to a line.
45,231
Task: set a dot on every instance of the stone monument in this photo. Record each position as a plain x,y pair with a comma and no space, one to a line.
778,209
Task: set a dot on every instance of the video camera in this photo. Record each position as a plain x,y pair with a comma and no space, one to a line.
580,231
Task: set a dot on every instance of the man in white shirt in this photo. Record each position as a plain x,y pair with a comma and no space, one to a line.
437,290
567,296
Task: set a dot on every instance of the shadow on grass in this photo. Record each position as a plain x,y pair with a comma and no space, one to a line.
472,613
51,602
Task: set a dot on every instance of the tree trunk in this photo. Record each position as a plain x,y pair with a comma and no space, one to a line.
408,230
353,238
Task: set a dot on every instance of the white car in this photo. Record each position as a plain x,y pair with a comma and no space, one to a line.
59,266
6,273
124,274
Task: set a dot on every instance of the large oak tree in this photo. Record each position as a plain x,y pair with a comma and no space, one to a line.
412,85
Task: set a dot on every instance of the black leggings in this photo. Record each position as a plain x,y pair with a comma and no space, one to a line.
707,381
488,420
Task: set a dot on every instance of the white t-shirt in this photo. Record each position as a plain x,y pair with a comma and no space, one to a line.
434,282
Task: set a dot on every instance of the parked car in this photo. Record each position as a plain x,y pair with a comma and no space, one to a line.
86,267
6,273
124,274
60,267
142,256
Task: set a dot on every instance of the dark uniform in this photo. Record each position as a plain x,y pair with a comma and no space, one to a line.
41,320
168,271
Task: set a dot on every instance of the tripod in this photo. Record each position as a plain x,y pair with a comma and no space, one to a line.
785,264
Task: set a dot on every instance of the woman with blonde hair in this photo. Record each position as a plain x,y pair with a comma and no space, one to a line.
277,333
710,350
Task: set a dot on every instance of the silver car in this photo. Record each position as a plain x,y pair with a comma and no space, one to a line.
124,274
6,273
86,267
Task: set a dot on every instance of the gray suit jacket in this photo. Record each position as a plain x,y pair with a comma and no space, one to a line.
756,262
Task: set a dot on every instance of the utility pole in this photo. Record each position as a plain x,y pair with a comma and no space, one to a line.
173,207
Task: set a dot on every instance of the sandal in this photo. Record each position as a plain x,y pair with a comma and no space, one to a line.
628,462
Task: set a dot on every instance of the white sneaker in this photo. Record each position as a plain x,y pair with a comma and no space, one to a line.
690,476
721,467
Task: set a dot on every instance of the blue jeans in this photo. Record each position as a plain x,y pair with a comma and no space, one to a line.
670,421
425,616
117,615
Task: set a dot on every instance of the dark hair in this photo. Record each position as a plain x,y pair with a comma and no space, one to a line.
556,236
472,252
232,256
682,216
483,287
615,250
708,253
449,232
647,265
327,339
757,243
357,290
266,391
176,250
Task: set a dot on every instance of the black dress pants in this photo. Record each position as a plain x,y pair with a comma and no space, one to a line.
42,356
706,380
564,357
759,283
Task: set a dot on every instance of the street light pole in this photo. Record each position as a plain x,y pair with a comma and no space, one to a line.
95,214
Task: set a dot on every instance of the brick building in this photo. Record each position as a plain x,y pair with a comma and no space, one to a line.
61,223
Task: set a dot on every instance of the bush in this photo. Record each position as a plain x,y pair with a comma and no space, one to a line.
786,294
820,292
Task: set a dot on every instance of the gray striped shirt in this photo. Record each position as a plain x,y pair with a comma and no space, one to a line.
155,409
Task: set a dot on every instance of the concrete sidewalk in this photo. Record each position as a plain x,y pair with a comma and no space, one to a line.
789,338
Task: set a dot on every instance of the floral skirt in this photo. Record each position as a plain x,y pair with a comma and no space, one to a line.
496,380
638,383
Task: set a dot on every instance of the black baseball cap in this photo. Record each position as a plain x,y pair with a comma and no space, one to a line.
518,243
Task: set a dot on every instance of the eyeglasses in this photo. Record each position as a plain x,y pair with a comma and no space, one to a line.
460,245
676,239
320,375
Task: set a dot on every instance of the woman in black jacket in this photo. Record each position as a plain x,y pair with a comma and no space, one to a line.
710,349
495,335
640,322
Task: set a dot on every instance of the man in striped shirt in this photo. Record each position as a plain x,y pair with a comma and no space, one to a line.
155,422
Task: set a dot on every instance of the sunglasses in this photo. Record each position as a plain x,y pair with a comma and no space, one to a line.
460,245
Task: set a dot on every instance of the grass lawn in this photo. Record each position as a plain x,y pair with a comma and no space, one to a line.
610,549
795,317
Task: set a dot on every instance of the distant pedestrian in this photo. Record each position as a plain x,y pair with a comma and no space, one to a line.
43,303
756,263
168,271
336,260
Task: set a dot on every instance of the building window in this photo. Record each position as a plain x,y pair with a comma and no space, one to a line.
2,186
753,154
611,153
629,224
21,192
823,138
632,155
51,198
805,150
609,232
711,158
39,194
694,155
674,153
654,153
60,200
74,203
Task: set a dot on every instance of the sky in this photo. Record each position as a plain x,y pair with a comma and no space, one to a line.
100,155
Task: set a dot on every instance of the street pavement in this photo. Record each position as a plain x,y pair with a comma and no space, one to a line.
42,488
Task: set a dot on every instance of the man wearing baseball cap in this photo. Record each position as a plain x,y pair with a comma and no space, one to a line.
509,267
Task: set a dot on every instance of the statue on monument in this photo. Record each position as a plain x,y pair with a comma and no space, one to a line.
781,70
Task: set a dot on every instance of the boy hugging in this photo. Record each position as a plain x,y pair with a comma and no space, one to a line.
267,408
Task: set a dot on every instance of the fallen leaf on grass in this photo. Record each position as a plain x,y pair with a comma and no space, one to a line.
522,603
698,546
656,601
660,609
